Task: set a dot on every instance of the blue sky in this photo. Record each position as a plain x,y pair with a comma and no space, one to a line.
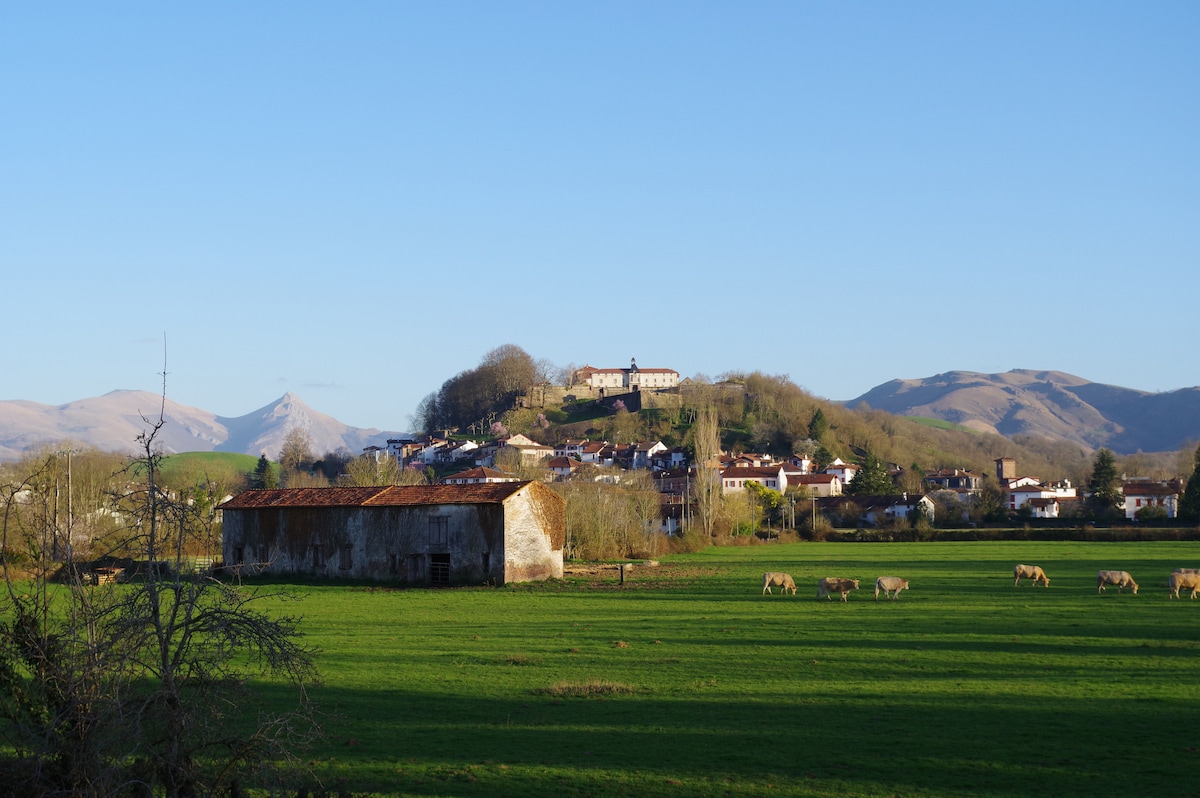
356,201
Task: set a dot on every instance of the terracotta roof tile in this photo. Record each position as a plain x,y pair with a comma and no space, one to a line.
388,496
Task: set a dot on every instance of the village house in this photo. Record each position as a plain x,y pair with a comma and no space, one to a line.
1018,497
669,459
842,470
802,462
643,451
421,534
734,478
1142,493
880,510
955,479
811,485
570,448
479,475
563,467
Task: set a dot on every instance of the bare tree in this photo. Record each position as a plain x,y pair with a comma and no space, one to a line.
112,688
706,488
296,456
367,470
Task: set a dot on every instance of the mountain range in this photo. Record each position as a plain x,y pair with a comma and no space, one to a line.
112,422
1048,404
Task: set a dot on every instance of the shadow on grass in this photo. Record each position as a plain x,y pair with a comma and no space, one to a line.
819,742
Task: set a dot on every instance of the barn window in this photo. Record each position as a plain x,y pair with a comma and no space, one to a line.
439,569
316,556
439,531
260,554
345,562
487,561
239,555
394,563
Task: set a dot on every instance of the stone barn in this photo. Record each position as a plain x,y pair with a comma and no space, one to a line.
420,534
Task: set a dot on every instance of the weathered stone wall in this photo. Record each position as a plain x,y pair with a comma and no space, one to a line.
535,520
368,542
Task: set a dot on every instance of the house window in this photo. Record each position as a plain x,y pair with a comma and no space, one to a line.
344,561
439,532
439,569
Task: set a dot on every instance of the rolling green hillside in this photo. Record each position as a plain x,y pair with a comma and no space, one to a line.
225,468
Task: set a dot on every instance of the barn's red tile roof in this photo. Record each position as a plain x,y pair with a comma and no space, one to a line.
386,496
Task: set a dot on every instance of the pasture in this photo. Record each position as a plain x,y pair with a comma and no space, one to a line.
686,680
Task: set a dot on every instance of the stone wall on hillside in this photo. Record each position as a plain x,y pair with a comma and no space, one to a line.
553,395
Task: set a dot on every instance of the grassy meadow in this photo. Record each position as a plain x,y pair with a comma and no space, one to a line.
685,680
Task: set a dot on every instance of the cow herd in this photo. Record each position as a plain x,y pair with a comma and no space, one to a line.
890,586
1180,579
827,586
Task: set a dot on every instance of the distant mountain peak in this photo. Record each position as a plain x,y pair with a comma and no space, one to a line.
1048,404
113,421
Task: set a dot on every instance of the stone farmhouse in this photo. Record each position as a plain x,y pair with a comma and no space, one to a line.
423,534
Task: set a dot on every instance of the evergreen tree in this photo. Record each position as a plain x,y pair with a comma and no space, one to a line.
264,474
1189,505
1104,493
872,479
818,425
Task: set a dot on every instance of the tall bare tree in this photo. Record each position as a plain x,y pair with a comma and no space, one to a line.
705,489
297,453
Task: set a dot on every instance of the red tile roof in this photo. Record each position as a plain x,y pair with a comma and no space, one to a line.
387,496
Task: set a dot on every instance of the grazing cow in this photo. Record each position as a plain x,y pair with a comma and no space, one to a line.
891,587
834,584
1181,579
1121,579
1033,572
784,581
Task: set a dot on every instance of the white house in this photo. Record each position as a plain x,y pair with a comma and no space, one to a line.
842,470
631,379
734,478
1142,493
816,484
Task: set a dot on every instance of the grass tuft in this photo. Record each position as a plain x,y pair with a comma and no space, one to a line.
595,687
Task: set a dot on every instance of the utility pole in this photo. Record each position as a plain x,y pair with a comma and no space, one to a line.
70,508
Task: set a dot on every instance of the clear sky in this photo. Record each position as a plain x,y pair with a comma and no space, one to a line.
355,201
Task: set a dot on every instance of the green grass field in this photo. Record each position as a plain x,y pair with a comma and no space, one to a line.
687,681
187,467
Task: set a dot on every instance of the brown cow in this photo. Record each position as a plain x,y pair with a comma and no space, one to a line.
1181,579
1033,572
1121,579
891,587
784,581
835,584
